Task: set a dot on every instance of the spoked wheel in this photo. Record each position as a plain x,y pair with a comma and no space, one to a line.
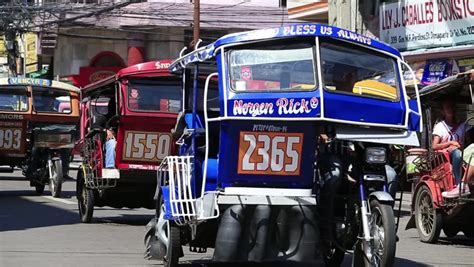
333,256
383,245
428,220
56,179
85,198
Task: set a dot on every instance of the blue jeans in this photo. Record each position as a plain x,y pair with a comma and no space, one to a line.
456,162
110,153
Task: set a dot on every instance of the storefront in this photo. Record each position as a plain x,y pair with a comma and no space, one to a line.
436,37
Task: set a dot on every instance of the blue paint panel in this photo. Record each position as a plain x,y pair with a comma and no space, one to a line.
229,153
165,190
362,109
413,119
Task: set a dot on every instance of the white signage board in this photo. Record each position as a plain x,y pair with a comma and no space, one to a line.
414,24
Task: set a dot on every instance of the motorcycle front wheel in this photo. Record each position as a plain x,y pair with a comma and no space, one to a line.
384,240
56,179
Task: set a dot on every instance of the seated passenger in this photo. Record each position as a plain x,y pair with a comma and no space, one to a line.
468,175
133,99
448,135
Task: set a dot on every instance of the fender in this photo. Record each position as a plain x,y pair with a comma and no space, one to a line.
382,196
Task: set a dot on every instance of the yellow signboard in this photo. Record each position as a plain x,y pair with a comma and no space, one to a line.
31,57
3,50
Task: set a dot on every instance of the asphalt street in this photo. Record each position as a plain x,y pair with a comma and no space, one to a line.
42,231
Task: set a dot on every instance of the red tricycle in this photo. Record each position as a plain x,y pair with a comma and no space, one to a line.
438,203
126,124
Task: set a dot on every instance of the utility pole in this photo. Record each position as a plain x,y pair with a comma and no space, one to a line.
196,23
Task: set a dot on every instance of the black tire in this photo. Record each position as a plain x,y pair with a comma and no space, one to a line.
428,220
56,182
85,198
39,188
172,255
332,255
469,232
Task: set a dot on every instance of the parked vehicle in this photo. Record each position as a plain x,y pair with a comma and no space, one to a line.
290,123
432,170
126,122
36,134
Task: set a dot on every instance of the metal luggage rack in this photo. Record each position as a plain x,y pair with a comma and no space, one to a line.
93,182
177,173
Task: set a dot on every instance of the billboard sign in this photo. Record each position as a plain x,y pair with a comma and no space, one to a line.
415,24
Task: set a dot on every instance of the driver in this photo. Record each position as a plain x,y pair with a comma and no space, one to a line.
448,135
346,78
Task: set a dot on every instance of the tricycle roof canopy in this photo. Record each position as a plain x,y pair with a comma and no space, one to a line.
39,83
460,87
146,69
284,32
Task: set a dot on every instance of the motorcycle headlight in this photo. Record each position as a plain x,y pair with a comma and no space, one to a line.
375,155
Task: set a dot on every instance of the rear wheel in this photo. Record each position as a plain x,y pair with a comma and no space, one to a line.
428,220
56,179
85,198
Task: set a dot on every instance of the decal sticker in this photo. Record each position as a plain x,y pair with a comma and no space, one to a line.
246,73
282,106
146,146
29,81
270,153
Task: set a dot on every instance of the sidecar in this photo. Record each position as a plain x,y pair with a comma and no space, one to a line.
246,181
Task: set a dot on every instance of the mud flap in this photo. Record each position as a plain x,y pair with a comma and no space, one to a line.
411,223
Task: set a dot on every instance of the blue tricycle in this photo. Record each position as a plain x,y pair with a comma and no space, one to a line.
284,140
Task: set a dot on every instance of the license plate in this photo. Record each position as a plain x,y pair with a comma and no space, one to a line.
146,146
270,153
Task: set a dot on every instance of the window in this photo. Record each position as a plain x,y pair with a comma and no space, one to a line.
51,100
353,70
154,96
269,67
14,99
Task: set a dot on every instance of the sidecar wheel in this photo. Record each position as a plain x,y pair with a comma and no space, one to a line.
85,199
39,188
428,219
56,182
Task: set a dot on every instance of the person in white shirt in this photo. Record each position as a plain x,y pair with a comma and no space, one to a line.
448,134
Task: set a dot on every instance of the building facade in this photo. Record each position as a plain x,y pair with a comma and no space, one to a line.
97,46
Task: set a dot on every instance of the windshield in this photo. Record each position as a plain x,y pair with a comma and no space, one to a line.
51,100
154,96
273,67
356,70
13,99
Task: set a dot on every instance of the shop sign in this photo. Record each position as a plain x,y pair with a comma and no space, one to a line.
466,64
31,58
414,24
436,70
